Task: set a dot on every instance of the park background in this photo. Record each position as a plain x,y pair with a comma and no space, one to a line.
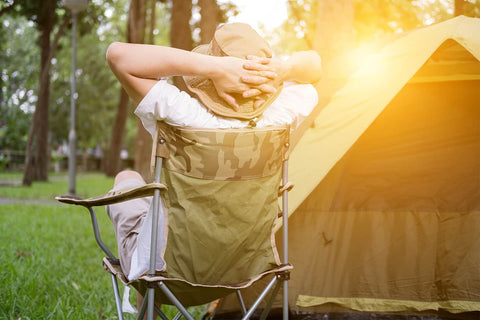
50,265
36,50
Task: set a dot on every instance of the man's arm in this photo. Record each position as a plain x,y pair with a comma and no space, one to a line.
138,67
301,67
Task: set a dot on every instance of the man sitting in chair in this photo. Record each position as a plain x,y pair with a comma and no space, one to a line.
233,82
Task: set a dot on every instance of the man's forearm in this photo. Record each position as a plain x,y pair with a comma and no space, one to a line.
304,67
154,62
138,66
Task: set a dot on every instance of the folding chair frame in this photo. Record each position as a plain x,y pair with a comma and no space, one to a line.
148,305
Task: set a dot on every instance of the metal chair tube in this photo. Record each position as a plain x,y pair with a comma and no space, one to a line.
240,301
157,206
96,232
285,238
260,298
177,316
266,311
174,300
142,310
118,301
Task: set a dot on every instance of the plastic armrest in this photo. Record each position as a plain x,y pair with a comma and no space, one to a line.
113,196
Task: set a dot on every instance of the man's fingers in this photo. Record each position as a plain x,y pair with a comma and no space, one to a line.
251,93
266,74
230,100
255,91
253,80
253,65
258,103
258,77
266,88
262,60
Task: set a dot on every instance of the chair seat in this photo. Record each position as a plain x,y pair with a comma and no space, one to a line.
189,294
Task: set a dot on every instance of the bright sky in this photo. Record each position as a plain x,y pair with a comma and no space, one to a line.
257,13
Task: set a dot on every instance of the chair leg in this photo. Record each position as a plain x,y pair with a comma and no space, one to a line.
240,301
268,307
285,300
177,316
175,301
116,292
150,303
160,313
260,298
285,238
143,308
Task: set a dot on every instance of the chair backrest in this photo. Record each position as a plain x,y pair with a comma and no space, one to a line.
222,201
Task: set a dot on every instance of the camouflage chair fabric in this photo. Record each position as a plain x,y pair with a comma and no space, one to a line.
221,207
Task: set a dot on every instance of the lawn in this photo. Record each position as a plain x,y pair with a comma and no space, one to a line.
50,264
87,185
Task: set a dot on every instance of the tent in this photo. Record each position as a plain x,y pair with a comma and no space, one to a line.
385,213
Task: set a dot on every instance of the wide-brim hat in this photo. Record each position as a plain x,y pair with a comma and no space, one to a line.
234,40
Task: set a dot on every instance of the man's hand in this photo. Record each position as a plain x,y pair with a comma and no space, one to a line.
272,72
245,77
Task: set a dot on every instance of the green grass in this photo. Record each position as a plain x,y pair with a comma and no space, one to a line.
50,264
87,185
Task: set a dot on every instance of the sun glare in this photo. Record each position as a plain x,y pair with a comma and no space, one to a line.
262,15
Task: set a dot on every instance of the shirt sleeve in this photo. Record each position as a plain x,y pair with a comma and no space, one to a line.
292,106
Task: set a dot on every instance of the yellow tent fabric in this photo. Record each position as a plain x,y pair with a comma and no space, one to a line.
366,94
385,212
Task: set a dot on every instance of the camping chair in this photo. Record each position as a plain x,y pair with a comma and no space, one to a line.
217,191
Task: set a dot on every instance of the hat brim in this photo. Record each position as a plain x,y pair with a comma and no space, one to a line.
205,91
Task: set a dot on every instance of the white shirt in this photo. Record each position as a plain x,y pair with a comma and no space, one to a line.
177,108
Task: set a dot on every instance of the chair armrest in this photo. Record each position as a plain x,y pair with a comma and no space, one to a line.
113,196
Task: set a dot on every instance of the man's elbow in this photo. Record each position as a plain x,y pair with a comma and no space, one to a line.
114,54
315,65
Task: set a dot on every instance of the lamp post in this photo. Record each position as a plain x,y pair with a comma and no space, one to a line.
75,6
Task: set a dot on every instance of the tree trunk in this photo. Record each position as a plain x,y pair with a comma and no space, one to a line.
180,33
334,28
113,162
136,21
136,34
153,4
459,7
36,154
143,150
209,21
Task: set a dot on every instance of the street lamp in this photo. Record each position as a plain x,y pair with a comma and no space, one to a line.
75,6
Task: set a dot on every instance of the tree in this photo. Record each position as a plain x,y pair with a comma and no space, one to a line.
180,37
180,32
36,154
20,67
210,16
135,34
459,7
333,28
142,15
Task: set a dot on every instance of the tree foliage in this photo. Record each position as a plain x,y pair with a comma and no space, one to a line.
105,21
373,19
20,66
19,61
